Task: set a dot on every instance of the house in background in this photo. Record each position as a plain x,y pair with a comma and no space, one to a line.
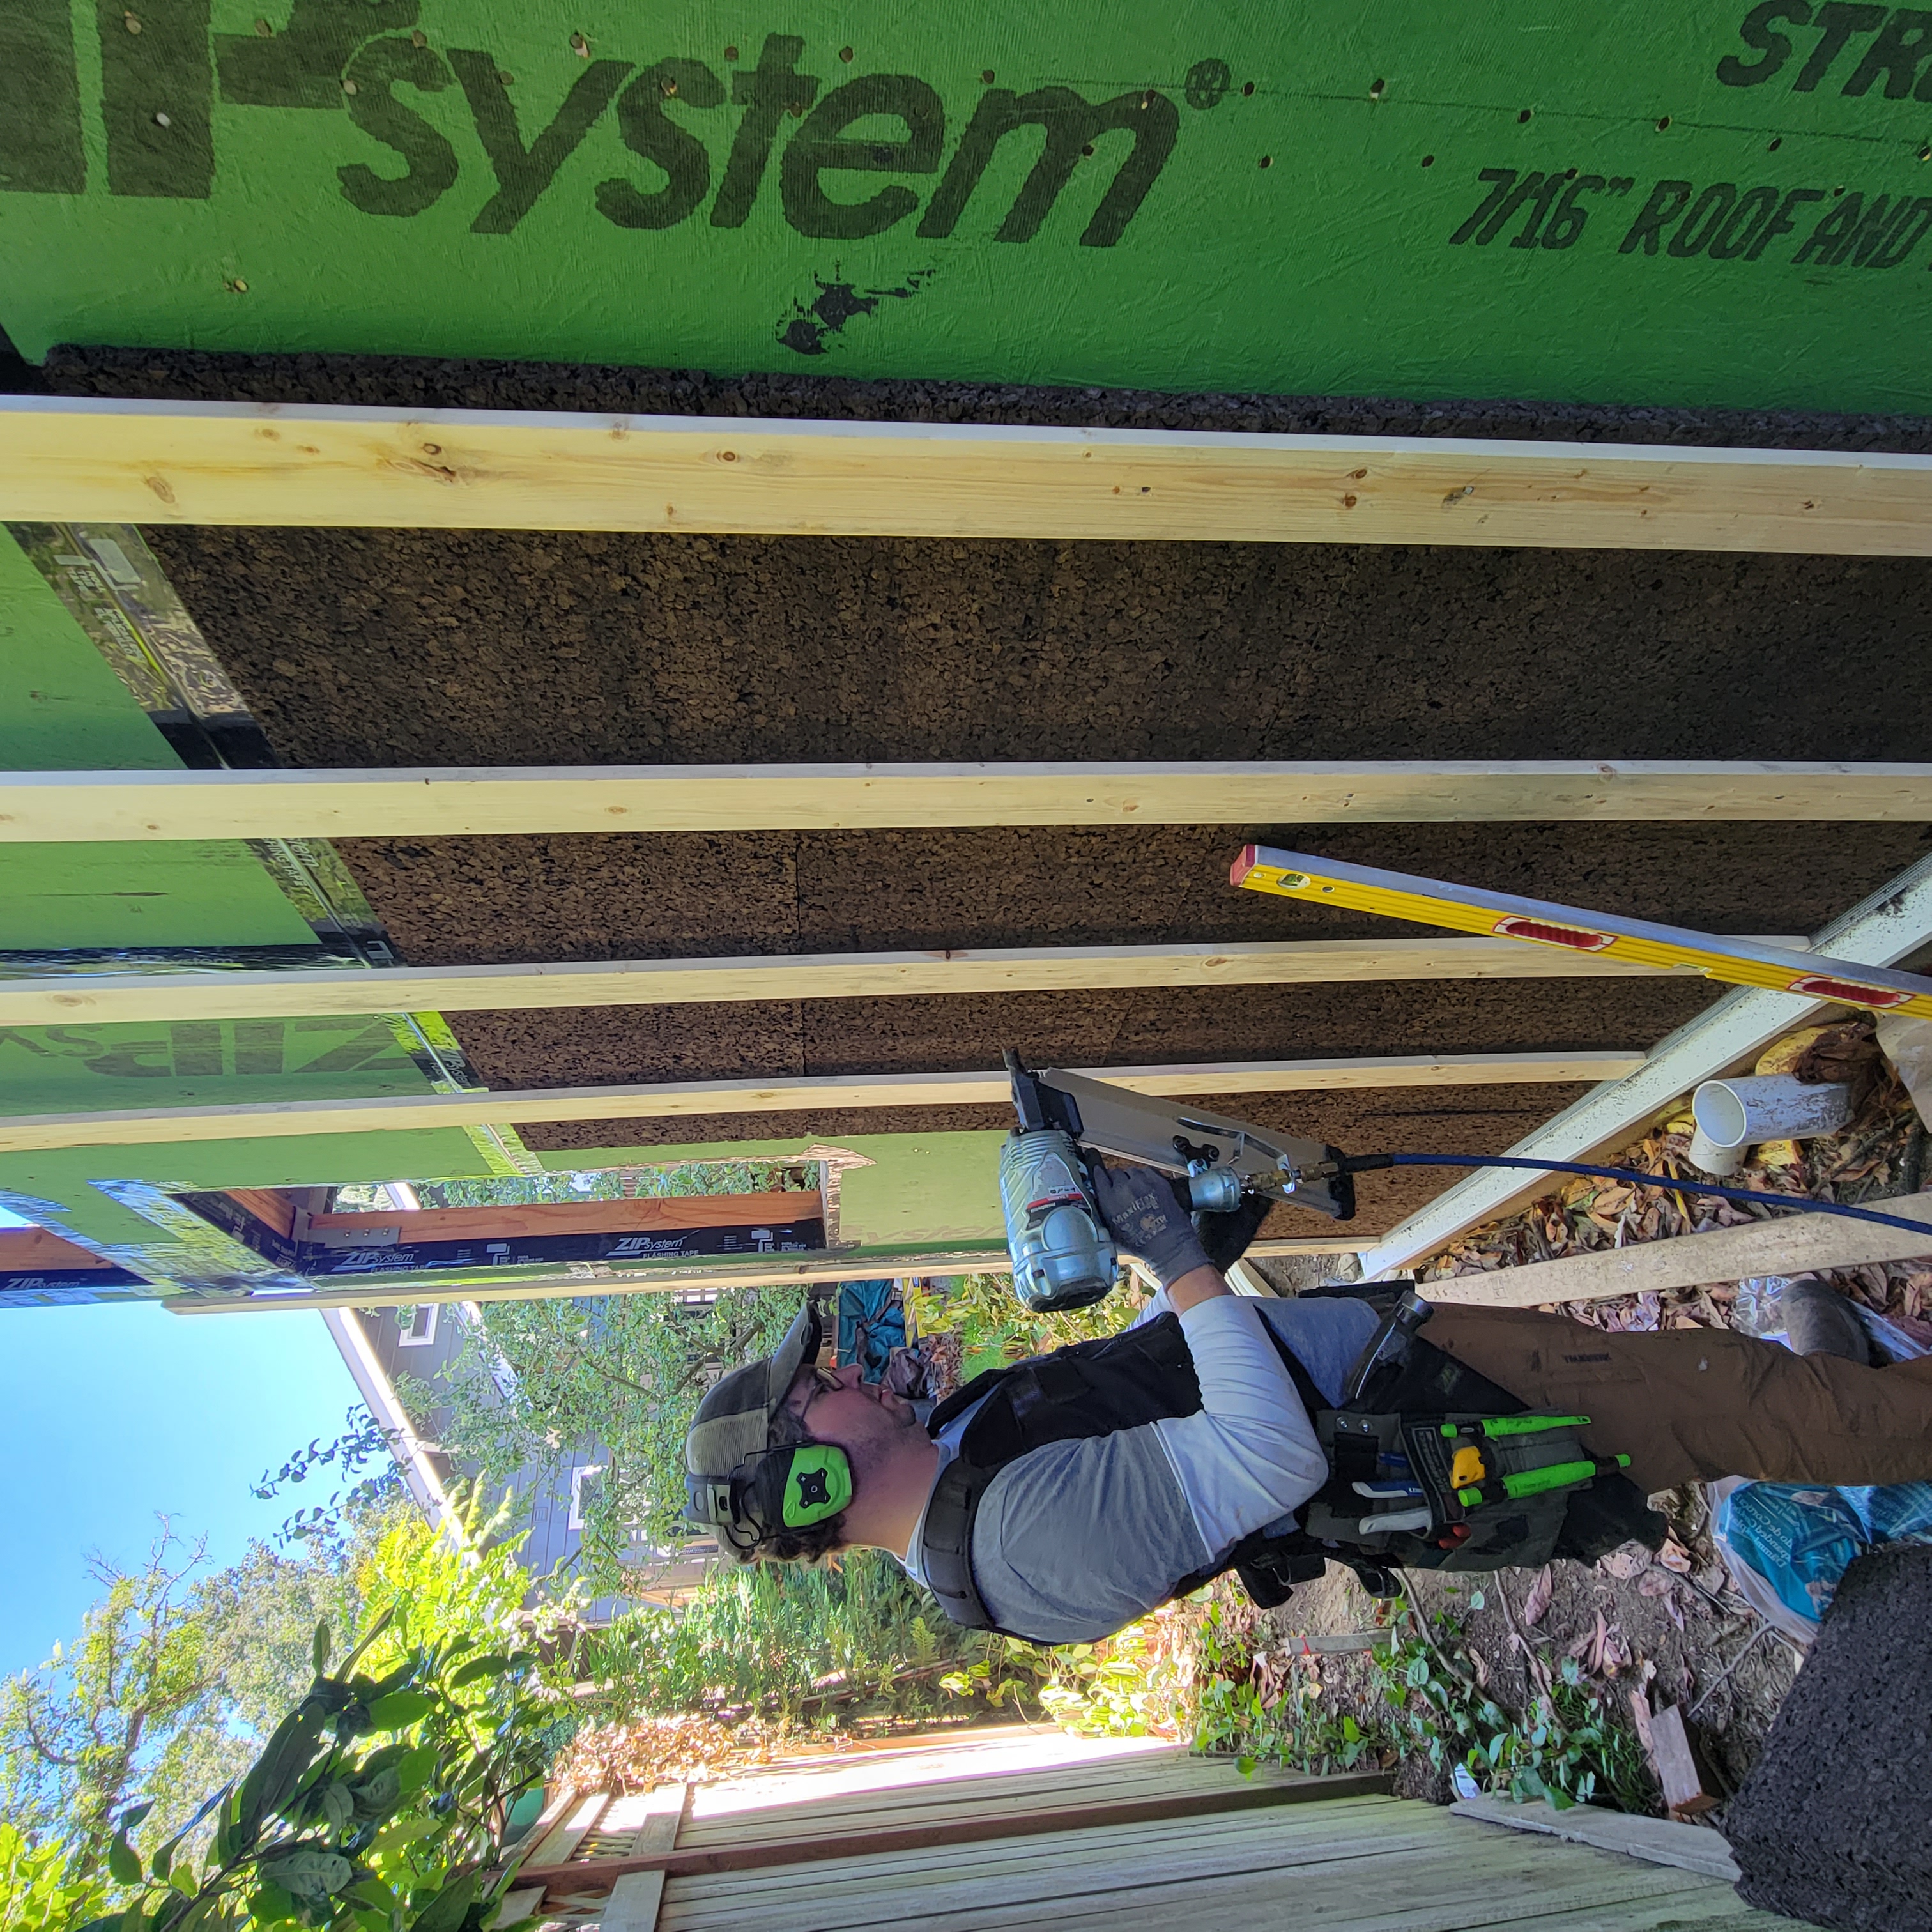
383,1346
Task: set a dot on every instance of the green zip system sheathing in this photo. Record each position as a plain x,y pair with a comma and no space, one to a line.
1710,203
62,708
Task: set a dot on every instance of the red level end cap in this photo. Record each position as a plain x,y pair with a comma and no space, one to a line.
1243,865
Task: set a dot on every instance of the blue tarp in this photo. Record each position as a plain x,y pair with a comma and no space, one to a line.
871,1326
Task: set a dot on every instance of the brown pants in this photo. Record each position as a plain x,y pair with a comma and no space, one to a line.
1700,1403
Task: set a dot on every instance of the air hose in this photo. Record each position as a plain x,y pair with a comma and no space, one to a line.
1368,1163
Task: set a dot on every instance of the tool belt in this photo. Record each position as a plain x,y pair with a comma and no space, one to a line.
1540,1494
1499,1488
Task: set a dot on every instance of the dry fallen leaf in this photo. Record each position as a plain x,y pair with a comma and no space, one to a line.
1639,1705
1595,1665
1536,1604
1653,1583
1674,1556
1630,1560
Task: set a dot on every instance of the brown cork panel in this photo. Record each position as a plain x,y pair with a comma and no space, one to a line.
754,1040
429,647
470,382
361,647
449,901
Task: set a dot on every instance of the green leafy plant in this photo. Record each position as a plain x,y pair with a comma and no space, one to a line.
377,1804
174,1675
180,1687
1567,1746
993,1327
780,1641
41,1888
537,1382
363,1457
1263,1708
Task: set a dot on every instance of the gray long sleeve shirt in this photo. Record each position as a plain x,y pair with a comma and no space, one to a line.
1073,1540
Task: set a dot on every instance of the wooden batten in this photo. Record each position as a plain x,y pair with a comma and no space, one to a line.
60,807
57,1000
94,460
673,1100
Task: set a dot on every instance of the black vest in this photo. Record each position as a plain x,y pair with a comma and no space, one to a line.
1124,1380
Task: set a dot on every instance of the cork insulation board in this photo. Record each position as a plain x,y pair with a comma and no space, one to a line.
1715,202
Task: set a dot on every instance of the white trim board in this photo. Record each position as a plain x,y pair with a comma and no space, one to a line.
378,1395
62,998
66,807
97,460
279,1119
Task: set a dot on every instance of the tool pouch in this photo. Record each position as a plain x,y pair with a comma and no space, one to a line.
1400,1396
1393,1446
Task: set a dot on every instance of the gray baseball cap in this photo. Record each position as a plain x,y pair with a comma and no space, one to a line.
734,1424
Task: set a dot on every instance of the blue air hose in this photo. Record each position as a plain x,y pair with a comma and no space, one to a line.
1365,1163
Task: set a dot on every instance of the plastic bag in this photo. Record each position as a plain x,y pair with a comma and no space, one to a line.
1758,1309
1788,1545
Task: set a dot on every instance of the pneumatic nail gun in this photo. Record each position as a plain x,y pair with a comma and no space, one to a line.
1228,1173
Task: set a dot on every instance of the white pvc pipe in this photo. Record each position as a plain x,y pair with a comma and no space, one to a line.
1739,1113
1707,1157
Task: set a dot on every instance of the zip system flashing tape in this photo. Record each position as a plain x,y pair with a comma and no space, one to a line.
1737,962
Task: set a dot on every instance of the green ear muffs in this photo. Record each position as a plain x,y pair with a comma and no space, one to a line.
817,1484
791,1486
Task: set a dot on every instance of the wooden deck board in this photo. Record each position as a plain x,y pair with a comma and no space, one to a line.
1346,1867
1206,1838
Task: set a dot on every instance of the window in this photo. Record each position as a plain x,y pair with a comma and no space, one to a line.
577,1481
419,1325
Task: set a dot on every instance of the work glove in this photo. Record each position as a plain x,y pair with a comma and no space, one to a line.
1148,1221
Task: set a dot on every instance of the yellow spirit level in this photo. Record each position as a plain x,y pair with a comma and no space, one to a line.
1737,962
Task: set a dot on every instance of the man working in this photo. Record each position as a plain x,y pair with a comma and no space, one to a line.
1084,1488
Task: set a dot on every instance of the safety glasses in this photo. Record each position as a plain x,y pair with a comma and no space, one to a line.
824,1382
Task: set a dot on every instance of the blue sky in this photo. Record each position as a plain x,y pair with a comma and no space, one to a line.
111,1412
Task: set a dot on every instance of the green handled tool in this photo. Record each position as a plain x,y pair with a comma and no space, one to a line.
1537,1482
1520,1425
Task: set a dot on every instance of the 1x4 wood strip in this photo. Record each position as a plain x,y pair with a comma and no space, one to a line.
148,1126
1237,1795
93,460
62,998
65,807
1788,1244
675,1278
